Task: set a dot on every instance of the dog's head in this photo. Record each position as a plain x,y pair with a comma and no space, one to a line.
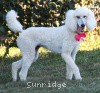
77,19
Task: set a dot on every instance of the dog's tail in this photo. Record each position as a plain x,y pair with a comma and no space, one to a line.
12,22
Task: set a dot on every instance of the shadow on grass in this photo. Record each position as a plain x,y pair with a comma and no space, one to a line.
51,67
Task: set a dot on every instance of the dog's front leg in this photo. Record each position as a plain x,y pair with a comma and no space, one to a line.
70,73
69,61
74,52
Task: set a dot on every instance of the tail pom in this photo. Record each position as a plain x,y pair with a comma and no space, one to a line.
12,22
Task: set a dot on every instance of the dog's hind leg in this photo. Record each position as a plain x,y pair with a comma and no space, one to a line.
25,66
15,66
36,52
18,64
29,57
36,56
29,51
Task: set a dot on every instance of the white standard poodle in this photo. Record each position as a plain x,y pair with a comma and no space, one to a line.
64,40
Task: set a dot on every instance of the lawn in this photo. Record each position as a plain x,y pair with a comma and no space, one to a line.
47,74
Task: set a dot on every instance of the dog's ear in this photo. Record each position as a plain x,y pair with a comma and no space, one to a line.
91,21
70,21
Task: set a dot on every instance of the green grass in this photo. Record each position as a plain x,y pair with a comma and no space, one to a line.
50,68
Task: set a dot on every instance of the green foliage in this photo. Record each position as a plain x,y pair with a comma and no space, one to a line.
84,2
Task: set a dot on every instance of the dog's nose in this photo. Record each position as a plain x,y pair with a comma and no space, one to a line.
82,25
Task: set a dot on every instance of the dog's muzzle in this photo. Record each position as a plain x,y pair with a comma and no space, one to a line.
80,29
80,34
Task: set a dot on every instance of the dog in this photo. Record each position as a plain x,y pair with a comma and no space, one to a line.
64,40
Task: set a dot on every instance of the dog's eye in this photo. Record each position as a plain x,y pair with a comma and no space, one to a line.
78,17
84,16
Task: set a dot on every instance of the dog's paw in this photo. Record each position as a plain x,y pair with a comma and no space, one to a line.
14,80
78,78
73,78
68,78
22,77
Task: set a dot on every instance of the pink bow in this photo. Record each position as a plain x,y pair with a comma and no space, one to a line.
80,36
